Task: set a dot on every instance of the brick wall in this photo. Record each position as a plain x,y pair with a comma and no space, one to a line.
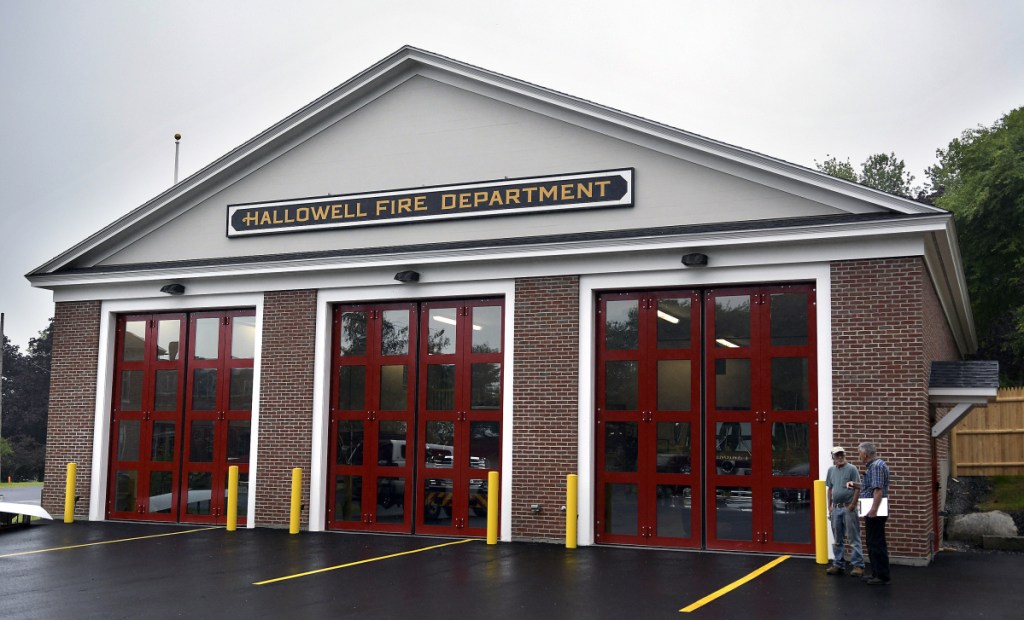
69,427
545,402
883,311
286,403
939,345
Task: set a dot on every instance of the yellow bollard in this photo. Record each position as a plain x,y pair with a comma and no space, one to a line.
571,485
492,508
69,494
820,523
232,498
293,527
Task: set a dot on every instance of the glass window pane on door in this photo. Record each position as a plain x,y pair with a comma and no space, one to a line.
437,501
348,498
243,337
352,388
791,515
674,385
733,513
440,444
165,397
134,349
391,443
200,491
394,332
128,435
674,511
207,339
620,508
126,490
621,444
350,442
485,445
168,339
732,384
390,500
733,450
674,323
789,321
732,321
791,449
353,333
487,329
204,389
441,387
622,325
477,502
485,386
201,441
789,384
160,486
394,388
240,389
441,337
621,385
131,390
163,441
239,438
674,448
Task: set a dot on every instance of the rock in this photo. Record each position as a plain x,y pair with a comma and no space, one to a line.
974,527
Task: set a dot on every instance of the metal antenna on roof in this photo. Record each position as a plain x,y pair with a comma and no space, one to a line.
177,143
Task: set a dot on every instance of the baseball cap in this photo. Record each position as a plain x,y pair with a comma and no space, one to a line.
837,449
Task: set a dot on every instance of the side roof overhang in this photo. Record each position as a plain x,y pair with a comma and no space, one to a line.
963,385
896,215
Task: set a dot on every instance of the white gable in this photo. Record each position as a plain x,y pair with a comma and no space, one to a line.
424,132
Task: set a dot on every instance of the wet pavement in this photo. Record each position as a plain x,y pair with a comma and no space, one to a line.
127,570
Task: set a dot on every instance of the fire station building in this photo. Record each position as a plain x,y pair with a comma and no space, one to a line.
435,271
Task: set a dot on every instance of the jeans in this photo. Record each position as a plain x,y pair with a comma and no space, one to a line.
846,525
878,551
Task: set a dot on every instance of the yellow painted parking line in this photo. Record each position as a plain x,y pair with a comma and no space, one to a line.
366,561
106,542
732,586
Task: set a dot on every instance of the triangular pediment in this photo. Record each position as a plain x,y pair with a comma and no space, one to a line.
418,120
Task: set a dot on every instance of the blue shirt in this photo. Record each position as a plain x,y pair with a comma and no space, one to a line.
876,476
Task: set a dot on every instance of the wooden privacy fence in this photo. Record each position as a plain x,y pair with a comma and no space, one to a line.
990,440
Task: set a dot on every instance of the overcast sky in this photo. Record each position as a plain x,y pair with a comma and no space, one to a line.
94,90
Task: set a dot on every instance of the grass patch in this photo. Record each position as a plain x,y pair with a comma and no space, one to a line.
1007,494
11,485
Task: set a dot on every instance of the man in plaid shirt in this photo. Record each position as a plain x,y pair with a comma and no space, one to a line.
875,486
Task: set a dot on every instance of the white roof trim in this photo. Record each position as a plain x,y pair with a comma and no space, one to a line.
706,241
978,396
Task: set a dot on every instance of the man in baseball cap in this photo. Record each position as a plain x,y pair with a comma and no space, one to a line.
842,513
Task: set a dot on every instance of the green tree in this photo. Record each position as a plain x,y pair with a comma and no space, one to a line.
26,393
888,174
839,169
979,177
881,171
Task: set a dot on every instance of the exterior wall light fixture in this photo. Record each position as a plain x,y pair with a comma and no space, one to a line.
408,276
695,260
173,289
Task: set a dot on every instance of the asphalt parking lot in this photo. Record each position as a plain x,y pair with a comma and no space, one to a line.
122,570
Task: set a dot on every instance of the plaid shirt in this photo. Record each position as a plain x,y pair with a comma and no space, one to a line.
876,476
